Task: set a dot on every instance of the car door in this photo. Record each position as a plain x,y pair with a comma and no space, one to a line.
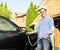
8,33
11,36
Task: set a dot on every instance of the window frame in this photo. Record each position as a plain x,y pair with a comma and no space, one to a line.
11,22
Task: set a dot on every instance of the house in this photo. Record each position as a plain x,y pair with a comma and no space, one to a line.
20,19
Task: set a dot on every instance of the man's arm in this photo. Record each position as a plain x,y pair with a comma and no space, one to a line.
51,28
33,32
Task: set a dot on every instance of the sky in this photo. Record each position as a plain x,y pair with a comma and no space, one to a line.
19,5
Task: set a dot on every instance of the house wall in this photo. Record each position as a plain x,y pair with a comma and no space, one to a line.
20,21
53,7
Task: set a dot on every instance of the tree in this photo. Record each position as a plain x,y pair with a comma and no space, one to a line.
4,11
31,15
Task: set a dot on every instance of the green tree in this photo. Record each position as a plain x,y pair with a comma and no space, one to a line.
31,15
4,11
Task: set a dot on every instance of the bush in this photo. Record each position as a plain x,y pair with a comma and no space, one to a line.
4,11
30,16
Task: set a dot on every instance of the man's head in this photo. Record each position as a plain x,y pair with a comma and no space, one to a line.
43,12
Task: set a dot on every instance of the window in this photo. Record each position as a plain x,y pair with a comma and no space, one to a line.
57,21
6,26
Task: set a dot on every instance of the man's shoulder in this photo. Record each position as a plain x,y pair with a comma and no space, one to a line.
40,19
50,18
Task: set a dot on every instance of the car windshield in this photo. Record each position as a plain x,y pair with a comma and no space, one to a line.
6,26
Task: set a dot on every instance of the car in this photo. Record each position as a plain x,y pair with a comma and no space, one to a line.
12,37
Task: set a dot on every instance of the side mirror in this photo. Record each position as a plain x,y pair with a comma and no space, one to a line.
32,26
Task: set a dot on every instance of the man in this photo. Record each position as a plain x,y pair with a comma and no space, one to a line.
44,29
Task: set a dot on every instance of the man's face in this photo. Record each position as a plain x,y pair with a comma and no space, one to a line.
43,12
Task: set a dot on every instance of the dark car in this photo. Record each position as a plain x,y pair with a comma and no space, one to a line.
12,37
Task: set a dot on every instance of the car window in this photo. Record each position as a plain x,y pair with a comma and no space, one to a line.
6,26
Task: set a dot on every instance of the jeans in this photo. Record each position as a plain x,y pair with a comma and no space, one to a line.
43,44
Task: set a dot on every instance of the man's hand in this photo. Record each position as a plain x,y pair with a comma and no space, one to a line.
27,33
46,36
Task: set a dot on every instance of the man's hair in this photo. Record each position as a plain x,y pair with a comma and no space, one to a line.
43,8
